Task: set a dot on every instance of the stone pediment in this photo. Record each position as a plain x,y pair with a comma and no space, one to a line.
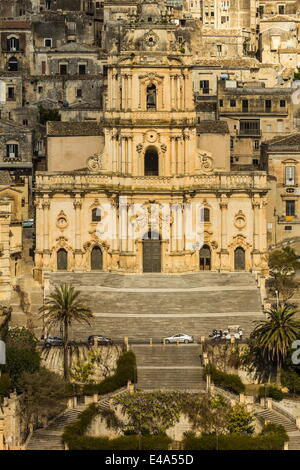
10,189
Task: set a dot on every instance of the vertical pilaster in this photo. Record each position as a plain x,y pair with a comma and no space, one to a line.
78,254
46,209
224,255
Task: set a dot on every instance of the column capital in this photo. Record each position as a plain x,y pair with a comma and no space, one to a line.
46,204
77,204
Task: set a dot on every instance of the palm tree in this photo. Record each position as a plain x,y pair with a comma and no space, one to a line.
275,335
63,307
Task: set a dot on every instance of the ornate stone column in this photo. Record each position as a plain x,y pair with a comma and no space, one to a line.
78,249
114,90
256,205
173,155
46,251
130,155
178,101
129,91
224,254
173,97
123,104
256,223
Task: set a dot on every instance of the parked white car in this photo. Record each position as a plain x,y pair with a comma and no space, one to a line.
180,338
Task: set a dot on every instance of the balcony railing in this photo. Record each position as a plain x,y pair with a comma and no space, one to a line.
257,181
250,132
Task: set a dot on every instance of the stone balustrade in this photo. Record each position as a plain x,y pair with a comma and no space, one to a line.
82,181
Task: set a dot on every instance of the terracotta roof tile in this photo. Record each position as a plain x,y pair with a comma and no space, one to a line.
58,128
213,127
15,24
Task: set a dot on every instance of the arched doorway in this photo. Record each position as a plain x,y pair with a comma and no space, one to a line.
205,258
96,259
62,260
239,259
152,253
151,162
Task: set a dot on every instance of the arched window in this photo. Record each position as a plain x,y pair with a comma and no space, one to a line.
151,97
62,260
13,65
151,162
12,44
96,214
205,214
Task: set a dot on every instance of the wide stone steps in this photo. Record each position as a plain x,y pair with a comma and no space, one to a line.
144,306
170,379
49,438
155,280
168,367
275,417
294,442
171,354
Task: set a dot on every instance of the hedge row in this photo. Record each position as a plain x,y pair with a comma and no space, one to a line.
126,370
268,440
230,382
133,442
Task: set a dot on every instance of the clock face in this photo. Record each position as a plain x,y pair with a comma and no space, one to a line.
150,39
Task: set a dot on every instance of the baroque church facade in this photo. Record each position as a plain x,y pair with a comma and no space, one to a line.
152,200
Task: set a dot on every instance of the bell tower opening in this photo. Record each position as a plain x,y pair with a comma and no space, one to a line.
151,162
151,96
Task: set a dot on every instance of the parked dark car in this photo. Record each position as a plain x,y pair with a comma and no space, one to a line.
53,341
102,340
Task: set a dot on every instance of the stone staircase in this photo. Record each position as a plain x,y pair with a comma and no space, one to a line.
49,438
144,306
169,367
272,416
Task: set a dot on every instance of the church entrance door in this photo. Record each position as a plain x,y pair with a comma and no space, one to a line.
205,258
151,256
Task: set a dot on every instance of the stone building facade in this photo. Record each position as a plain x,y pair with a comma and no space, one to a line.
152,200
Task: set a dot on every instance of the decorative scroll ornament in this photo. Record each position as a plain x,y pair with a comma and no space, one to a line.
206,162
139,148
95,162
240,220
62,221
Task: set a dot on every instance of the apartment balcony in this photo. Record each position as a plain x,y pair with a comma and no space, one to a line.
288,219
249,133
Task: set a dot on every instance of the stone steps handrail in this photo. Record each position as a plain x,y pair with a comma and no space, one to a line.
284,412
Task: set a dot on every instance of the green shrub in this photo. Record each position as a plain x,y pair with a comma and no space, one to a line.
5,385
125,371
230,382
273,428
133,442
74,436
19,361
270,392
268,441
291,380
